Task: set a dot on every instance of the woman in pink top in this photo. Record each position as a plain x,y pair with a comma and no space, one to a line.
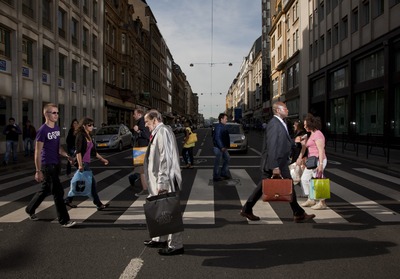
315,144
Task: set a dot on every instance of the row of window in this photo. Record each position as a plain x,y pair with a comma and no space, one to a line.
366,68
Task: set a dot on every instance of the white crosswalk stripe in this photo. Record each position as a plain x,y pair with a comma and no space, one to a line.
200,206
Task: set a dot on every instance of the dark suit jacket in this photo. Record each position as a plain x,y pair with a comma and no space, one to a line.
277,148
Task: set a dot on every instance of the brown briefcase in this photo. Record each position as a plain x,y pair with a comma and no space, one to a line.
277,189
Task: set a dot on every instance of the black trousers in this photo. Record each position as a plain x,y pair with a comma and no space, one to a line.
257,193
50,185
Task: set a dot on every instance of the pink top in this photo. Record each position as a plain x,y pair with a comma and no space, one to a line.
86,157
312,146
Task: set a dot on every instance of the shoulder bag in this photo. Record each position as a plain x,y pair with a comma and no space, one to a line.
312,162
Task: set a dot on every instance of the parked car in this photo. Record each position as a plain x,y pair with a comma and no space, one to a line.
238,139
113,137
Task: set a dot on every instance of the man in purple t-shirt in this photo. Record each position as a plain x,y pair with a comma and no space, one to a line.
47,163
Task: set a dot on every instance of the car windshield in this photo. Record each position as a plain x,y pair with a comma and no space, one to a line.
233,129
107,131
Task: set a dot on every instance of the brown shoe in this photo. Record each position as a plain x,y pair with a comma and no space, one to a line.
250,216
303,218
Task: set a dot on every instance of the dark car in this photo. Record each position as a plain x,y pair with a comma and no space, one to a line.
113,137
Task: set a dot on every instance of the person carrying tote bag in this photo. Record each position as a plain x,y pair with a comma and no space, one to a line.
188,145
163,175
315,145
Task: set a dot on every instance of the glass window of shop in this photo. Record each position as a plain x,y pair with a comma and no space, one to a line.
370,67
339,79
369,112
339,117
318,87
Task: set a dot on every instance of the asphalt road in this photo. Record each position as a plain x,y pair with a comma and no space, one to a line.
357,237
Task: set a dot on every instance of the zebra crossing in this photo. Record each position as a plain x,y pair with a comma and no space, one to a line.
351,199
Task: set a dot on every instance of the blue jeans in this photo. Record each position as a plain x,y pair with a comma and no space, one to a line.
225,164
11,146
96,199
29,147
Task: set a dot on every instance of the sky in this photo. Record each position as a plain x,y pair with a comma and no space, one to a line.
209,34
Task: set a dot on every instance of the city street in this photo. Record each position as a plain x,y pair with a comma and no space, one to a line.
357,236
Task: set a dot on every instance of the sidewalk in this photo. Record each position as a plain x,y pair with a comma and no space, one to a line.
375,158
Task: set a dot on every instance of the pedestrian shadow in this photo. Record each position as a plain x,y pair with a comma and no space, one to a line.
265,254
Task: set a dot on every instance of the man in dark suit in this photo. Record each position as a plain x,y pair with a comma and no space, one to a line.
275,162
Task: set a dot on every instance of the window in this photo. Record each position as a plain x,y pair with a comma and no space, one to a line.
344,27
74,71
123,43
339,79
279,29
339,116
296,40
318,87
28,8
328,7
61,23
310,53
85,6
290,78
379,6
61,65
273,42
85,35
322,44
123,78
370,67
296,74
321,12
5,45
94,79
95,10
84,75
393,2
365,13
335,35
279,53
74,32
288,48
275,85
27,52
328,39
315,53
46,13
354,21
46,59
295,11
369,112
94,46
334,4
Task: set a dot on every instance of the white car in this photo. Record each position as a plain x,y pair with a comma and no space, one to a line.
113,137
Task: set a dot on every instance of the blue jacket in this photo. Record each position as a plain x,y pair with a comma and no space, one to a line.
221,136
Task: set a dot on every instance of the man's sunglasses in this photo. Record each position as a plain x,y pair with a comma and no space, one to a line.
53,112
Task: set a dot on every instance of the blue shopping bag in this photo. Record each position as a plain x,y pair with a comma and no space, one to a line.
81,184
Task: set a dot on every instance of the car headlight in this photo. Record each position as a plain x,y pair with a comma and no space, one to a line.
243,137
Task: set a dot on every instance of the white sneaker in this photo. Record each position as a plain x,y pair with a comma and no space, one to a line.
69,224
308,203
319,206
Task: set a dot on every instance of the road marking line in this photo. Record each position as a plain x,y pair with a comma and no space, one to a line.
374,209
261,209
379,175
367,184
200,211
132,269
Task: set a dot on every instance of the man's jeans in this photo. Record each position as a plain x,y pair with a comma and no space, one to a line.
225,164
29,146
11,146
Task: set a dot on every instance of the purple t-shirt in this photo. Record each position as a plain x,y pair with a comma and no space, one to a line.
51,144
86,157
